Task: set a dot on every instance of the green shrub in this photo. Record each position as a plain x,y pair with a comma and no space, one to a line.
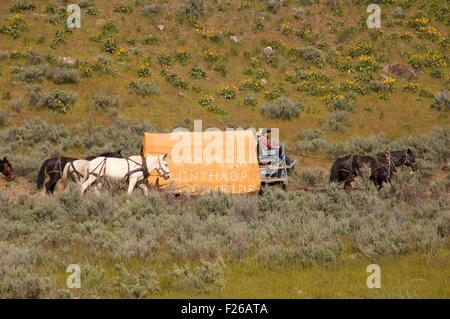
227,92
174,79
109,28
58,39
311,141
182,56
166,59
437,73
34,57
337,121
312,55
250,100
123,9
191,8
22,5
104,101
86,3
143,89
282,108
34,92
151,40
204,278
341,104
274,5
63,76
312,177
33,74
58,100
102,64
198,73
93,11
222,68
16,104
132,286
441,100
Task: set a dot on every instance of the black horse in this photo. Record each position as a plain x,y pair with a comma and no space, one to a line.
6,169
382,165
55,166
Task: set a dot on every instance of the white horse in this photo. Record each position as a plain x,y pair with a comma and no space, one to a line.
134,168
74,171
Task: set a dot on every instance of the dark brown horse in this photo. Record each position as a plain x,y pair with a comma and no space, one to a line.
6,169
382,165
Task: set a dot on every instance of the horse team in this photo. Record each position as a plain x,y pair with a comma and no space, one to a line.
92,170
382,165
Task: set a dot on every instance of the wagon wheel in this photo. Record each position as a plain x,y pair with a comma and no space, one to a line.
266,186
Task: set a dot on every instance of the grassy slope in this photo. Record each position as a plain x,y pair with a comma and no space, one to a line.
403,113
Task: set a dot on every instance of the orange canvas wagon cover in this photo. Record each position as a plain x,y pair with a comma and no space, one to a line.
203,161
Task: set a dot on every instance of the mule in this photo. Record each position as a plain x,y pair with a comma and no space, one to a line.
135,169
6,169
398,158
382,165
53,167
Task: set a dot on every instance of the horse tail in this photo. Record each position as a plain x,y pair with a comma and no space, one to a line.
41,176
64,177
334,174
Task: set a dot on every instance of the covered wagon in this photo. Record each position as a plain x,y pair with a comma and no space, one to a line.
200,162
228,161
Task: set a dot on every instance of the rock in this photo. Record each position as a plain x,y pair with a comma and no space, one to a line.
274,5
180,93
398,13
400,71
299,13
161,27
151,9
234,39
67,60
268,51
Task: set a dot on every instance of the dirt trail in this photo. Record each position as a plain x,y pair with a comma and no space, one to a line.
19,186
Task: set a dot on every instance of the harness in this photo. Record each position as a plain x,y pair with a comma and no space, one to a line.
6,170
75,171
391,164
347,169
143,168
57,165
406,160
